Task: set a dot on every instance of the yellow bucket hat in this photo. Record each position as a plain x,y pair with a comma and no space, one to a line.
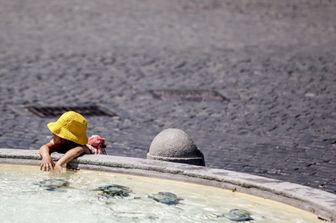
71,126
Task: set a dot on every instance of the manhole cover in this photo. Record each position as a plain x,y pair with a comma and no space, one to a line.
188,95
91,110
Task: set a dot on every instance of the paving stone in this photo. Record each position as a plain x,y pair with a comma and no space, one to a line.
279,78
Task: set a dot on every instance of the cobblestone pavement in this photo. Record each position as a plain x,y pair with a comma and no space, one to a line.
273,61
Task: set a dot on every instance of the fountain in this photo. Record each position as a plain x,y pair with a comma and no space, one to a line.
111,188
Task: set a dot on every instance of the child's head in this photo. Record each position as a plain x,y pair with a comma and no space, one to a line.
70,126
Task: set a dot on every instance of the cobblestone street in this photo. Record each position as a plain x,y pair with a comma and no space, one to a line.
274,63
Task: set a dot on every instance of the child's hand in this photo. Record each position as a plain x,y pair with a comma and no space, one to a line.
58,168
47,164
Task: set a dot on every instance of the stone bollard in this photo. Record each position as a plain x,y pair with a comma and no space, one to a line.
174,145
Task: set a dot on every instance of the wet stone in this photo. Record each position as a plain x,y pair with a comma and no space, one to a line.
238,215
165,198
53,184
113,190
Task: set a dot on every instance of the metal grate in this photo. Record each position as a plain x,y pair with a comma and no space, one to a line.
188,95
46,112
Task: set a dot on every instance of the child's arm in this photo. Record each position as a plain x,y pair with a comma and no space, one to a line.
46,164
68,156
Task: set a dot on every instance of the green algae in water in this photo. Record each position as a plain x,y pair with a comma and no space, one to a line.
113,190
165,198
53,184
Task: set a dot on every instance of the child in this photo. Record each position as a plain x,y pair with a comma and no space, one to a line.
97,145
69,137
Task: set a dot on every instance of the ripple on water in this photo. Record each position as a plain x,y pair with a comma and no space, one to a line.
28,195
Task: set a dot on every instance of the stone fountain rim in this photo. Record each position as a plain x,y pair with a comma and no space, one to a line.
313,200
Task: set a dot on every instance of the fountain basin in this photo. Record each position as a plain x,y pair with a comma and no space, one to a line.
320,203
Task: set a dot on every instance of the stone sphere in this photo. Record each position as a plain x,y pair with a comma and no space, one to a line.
176,146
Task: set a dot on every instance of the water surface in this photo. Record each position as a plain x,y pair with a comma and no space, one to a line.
26,196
